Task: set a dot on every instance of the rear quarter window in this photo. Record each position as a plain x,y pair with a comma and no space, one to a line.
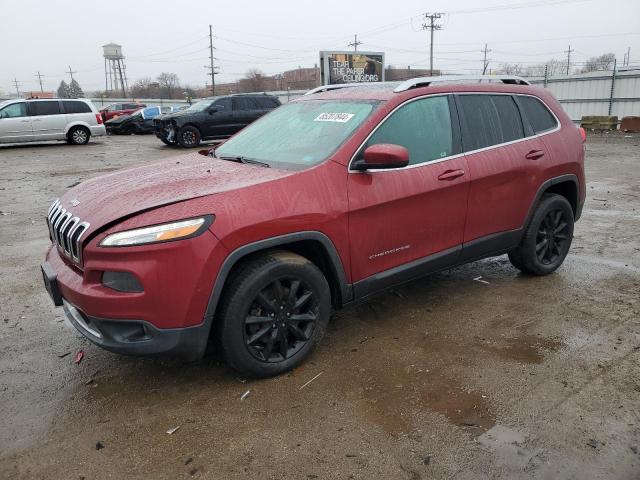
537,114
75,107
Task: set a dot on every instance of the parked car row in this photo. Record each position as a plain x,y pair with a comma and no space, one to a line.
138,122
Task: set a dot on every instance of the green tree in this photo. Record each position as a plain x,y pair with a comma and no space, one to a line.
63,90
75,91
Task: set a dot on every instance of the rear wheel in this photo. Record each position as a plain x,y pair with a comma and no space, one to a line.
275,312
547,238
78,136
189,137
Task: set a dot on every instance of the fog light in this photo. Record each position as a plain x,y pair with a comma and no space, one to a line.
122,282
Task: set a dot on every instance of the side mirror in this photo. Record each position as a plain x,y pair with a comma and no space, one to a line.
383,155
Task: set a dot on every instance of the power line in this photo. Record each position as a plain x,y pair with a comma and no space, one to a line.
431,26
355,43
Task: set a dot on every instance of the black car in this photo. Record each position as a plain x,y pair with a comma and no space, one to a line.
137,122
213,118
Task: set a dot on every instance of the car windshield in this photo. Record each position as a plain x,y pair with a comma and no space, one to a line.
298,135
200,106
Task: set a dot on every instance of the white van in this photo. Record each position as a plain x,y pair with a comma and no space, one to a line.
37,120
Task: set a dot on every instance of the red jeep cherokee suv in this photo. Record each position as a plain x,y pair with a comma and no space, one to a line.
322,202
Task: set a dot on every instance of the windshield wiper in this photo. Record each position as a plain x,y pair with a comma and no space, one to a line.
241,159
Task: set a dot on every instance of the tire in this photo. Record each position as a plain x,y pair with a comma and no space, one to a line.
274,313
165,141
78,136
547,238
189,137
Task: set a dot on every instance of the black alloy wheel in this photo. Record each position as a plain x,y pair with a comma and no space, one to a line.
189,137
552,237
281,320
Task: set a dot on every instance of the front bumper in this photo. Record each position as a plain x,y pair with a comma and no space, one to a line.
137,337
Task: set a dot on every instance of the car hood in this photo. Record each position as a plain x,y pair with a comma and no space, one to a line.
118,120
108,198
182,113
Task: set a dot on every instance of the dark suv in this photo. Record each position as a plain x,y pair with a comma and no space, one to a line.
322,202
213,118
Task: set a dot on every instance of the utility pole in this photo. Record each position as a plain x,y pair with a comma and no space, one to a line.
212,67
355,43
431,26
485,62
568,52
39,75
71,72
16,83
627,55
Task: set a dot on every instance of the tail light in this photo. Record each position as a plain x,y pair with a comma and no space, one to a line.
583,134
99,118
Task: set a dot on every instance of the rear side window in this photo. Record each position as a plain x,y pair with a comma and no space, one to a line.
267,102
75,107
45,108
537,114
423,127
244,103
488,120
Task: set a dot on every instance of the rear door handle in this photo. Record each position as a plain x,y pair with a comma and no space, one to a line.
451,174
534,155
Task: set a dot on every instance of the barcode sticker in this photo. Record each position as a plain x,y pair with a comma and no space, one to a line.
334,117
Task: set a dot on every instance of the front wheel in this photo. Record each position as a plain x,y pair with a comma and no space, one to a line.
547,238
189,137
275,312
78,136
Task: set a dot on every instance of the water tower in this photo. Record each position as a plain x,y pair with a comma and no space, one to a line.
115,72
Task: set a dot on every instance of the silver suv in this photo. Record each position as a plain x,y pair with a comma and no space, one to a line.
37,120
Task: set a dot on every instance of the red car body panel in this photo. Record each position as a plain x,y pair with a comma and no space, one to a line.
109,114
376,221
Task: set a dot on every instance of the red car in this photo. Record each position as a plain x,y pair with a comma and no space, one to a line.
118,109
322,202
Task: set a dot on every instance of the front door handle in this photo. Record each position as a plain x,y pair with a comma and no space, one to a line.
451,174
534,155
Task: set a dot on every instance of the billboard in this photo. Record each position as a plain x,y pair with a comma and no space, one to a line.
351,67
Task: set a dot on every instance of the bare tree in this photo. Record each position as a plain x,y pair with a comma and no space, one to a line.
255,80
169,84
511,69
602,62
145,88
553,67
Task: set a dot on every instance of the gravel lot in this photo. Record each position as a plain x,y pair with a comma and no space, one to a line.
445,377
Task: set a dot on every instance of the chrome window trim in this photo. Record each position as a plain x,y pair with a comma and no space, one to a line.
451,157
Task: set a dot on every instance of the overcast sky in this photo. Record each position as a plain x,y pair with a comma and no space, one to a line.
51,35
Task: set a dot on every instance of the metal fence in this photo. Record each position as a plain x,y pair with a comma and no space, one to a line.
596,93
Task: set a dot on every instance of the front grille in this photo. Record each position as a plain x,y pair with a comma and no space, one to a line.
66,231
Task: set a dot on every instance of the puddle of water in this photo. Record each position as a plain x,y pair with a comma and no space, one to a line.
392,401
526,349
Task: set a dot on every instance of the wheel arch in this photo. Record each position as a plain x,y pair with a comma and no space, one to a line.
77,124
565,185
313,245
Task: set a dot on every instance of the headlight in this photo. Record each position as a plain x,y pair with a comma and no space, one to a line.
158,233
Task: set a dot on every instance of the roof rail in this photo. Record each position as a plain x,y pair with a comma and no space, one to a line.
333,86
426,81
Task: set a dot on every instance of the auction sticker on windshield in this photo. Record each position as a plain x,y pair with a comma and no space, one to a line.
334,117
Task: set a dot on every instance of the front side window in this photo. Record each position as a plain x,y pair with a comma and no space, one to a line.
14,110
223,104
422,126
45,108
488,120
537,114
298,135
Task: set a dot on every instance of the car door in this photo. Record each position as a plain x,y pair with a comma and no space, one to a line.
48,120
218,120
505,168
15,123
405,220
244,112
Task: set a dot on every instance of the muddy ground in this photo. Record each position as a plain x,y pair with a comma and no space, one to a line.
445,377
